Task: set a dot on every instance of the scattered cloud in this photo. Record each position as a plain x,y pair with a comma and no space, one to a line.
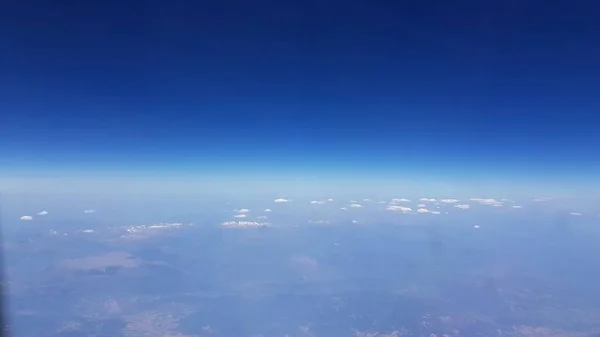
54,232
354,221
268,210
425,210
449,201
575,213
315,202
539,199
421,205
462,206
476,226
488,201
281,200
243,224
399,200
356,205
145,231
243,210
42,213
240,215
318,222
89,211
261,217
517,206
427,200
367,200
26,218
401,209
344,208
329,200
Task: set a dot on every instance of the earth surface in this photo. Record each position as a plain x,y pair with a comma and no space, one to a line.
463,272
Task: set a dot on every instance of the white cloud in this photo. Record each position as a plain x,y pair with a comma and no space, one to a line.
268,210
240,216
488,201
243,224
435,212
402,209
421,205
315,202
318,222
427,200
367,200
517,206
329,200
575,213
449,201
261,217
27,218
422,210
89,211
354,221
476,226
153,227
146,231
462,206
539,199
243,210
344,208
280,200
42,213
356,205
399,200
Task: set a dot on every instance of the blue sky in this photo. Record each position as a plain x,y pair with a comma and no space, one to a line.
494,94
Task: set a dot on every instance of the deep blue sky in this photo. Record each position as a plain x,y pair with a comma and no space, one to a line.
511,88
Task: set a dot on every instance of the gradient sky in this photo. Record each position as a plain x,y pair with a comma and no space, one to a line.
495,92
